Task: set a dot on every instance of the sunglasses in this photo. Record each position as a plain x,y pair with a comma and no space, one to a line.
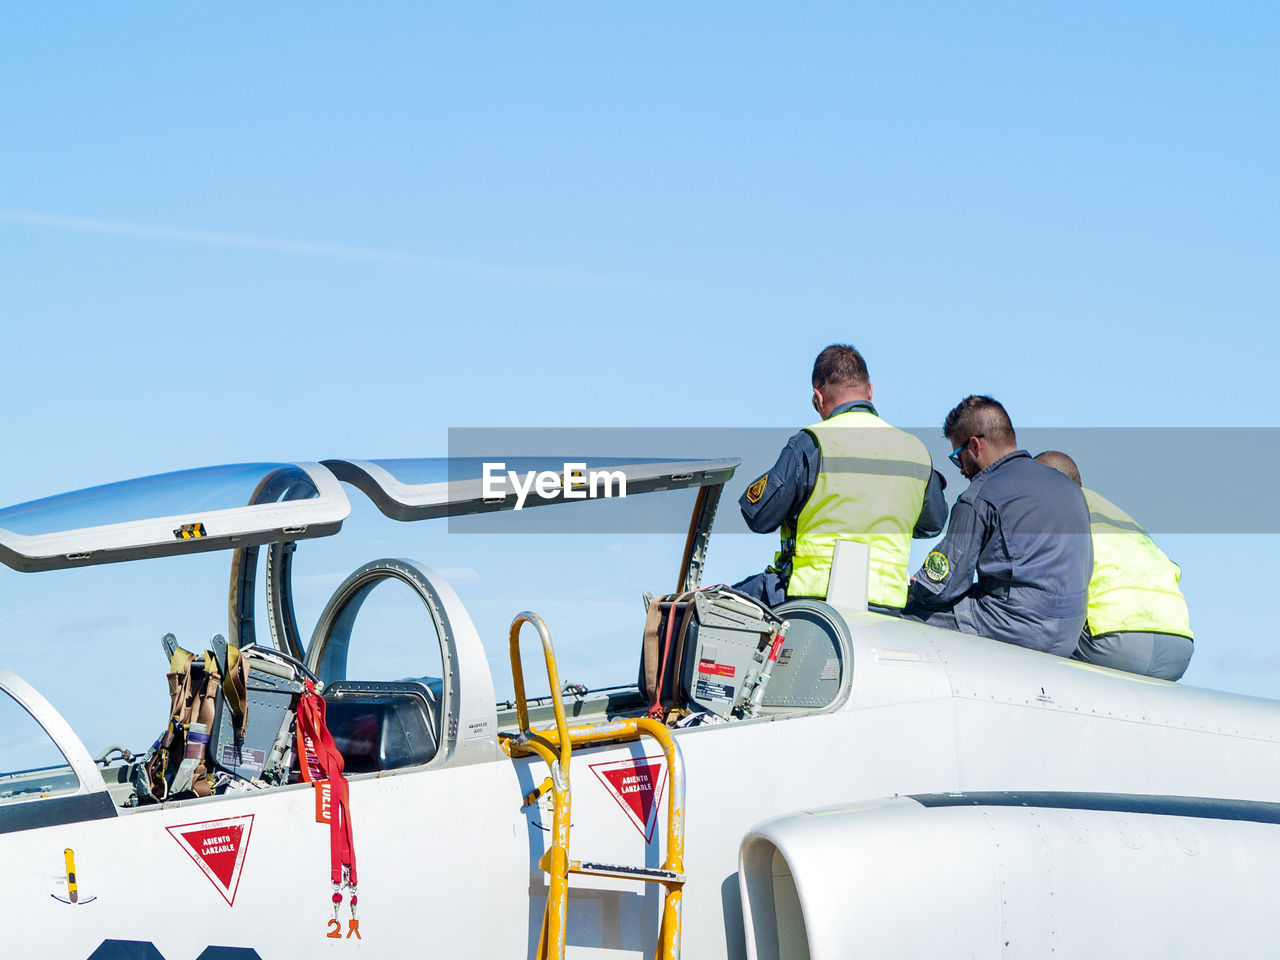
954,456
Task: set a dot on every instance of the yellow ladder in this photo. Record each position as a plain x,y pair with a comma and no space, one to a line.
555,747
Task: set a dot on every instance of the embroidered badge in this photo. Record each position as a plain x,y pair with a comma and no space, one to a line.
936,567
756,490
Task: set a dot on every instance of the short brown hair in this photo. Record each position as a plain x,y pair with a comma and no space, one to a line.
979,416
840,365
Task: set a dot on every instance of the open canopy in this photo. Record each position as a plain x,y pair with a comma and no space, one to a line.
211,508
247,504
426,488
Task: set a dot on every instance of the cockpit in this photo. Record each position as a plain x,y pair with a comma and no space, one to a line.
699,655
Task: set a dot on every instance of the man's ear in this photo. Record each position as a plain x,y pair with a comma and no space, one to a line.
981,448
871,392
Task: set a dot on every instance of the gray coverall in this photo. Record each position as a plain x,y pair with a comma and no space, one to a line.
1023,528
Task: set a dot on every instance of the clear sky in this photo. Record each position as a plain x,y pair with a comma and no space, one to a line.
310,230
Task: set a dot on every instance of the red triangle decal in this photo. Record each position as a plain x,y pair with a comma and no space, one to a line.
636,784
218,848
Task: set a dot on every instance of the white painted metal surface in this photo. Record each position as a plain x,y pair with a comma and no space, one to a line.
446,852
893,879
448,858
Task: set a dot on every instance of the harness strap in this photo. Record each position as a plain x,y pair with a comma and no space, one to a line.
190,774
157,765
179,677
205,701
235,688
193,725
682,634
178,761
193,690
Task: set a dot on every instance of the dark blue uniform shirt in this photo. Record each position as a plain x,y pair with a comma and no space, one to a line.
1023,529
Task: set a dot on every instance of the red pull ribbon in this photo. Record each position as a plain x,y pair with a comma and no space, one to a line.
319,759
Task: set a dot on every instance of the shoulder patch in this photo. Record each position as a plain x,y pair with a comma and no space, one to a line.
756,490
936,567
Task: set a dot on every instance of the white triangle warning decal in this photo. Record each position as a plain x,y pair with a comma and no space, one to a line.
636,784
217,847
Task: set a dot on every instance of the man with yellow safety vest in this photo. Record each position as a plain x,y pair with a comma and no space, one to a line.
851,476
1020,528
1137,617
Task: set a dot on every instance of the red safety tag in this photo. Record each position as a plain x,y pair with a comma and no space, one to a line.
324,802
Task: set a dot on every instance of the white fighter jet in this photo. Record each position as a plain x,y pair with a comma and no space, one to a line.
813,781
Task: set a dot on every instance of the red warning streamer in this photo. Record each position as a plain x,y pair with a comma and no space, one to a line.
320,760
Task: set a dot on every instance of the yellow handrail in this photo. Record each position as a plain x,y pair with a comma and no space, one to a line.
668,947
556,860
553,674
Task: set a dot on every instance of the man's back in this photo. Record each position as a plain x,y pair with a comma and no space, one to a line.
1134,585
1035,560
870,489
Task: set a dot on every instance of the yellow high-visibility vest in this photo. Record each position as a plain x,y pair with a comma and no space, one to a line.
1134,585
870,488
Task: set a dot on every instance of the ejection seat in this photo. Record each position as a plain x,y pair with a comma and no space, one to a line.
730,658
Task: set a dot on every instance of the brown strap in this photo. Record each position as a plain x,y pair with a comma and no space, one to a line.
180,685
157,773
205,698
179,689
235,689
682,632
651,653
193,691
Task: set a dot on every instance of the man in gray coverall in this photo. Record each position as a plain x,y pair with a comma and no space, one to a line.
1022,527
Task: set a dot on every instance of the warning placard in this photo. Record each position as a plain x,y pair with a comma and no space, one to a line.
636,784
711,668
706,690
218,848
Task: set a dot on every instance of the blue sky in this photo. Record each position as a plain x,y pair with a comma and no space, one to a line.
241,234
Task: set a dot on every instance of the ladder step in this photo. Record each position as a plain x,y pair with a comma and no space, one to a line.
624,872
